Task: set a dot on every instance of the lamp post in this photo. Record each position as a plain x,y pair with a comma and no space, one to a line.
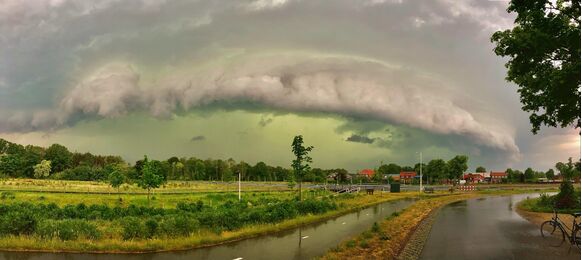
420,171
239,185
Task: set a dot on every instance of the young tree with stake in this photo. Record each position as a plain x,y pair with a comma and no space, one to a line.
301,162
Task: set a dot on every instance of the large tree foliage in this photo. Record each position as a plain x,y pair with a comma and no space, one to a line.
457,166
436,170
42,169
544,59
59,156
301,162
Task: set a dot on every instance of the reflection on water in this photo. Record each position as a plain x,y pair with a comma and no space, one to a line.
301,243
485,229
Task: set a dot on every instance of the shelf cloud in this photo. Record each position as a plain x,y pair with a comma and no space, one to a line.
330,84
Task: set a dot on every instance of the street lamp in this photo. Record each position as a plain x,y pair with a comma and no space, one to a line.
420,171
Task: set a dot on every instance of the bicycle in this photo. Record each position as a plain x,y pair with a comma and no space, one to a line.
555,231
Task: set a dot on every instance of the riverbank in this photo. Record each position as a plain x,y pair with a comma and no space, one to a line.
200,238
537,218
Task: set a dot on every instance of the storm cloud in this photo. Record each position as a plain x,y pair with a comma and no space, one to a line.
360,139
423,65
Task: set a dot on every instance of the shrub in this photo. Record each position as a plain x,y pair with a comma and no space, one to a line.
132,228
179,225
566,198
68,229
151,227
17,222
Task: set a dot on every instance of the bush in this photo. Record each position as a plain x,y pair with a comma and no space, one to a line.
151,227
68,229
179,225
133,228
567,198
17,223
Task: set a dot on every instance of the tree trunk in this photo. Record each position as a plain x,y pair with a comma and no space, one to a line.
300,193
148,197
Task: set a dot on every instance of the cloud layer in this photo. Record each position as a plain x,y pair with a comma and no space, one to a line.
297,83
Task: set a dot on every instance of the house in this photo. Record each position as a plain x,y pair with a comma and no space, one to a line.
407,177
367,173
474,177
498,177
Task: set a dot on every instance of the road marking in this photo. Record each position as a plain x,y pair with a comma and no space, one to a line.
304,237
240,258
343,223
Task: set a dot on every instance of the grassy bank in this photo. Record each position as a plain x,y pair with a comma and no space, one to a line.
111,237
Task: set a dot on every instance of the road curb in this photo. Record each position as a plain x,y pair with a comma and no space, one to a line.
415,244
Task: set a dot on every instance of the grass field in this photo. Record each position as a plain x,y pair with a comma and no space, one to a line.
40,185
70,194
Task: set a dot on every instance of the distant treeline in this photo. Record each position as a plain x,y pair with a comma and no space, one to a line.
19,161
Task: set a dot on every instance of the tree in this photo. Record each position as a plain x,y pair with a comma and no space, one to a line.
529,174
59,156
457,166
436,169
550,174
151,176
407,169
116,179
179,166
301,162
43,169
389,169
544,60
480,169
567,170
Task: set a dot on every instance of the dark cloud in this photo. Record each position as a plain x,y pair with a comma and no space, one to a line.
198,138
360,139
265,121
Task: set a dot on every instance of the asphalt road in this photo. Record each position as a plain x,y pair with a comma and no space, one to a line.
489,228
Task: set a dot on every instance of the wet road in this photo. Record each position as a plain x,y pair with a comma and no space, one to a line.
488,228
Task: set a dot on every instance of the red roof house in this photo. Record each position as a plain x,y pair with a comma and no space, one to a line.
406,177
474,177
369,173
498,176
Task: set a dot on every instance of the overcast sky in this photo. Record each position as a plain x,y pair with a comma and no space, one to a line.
364,81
